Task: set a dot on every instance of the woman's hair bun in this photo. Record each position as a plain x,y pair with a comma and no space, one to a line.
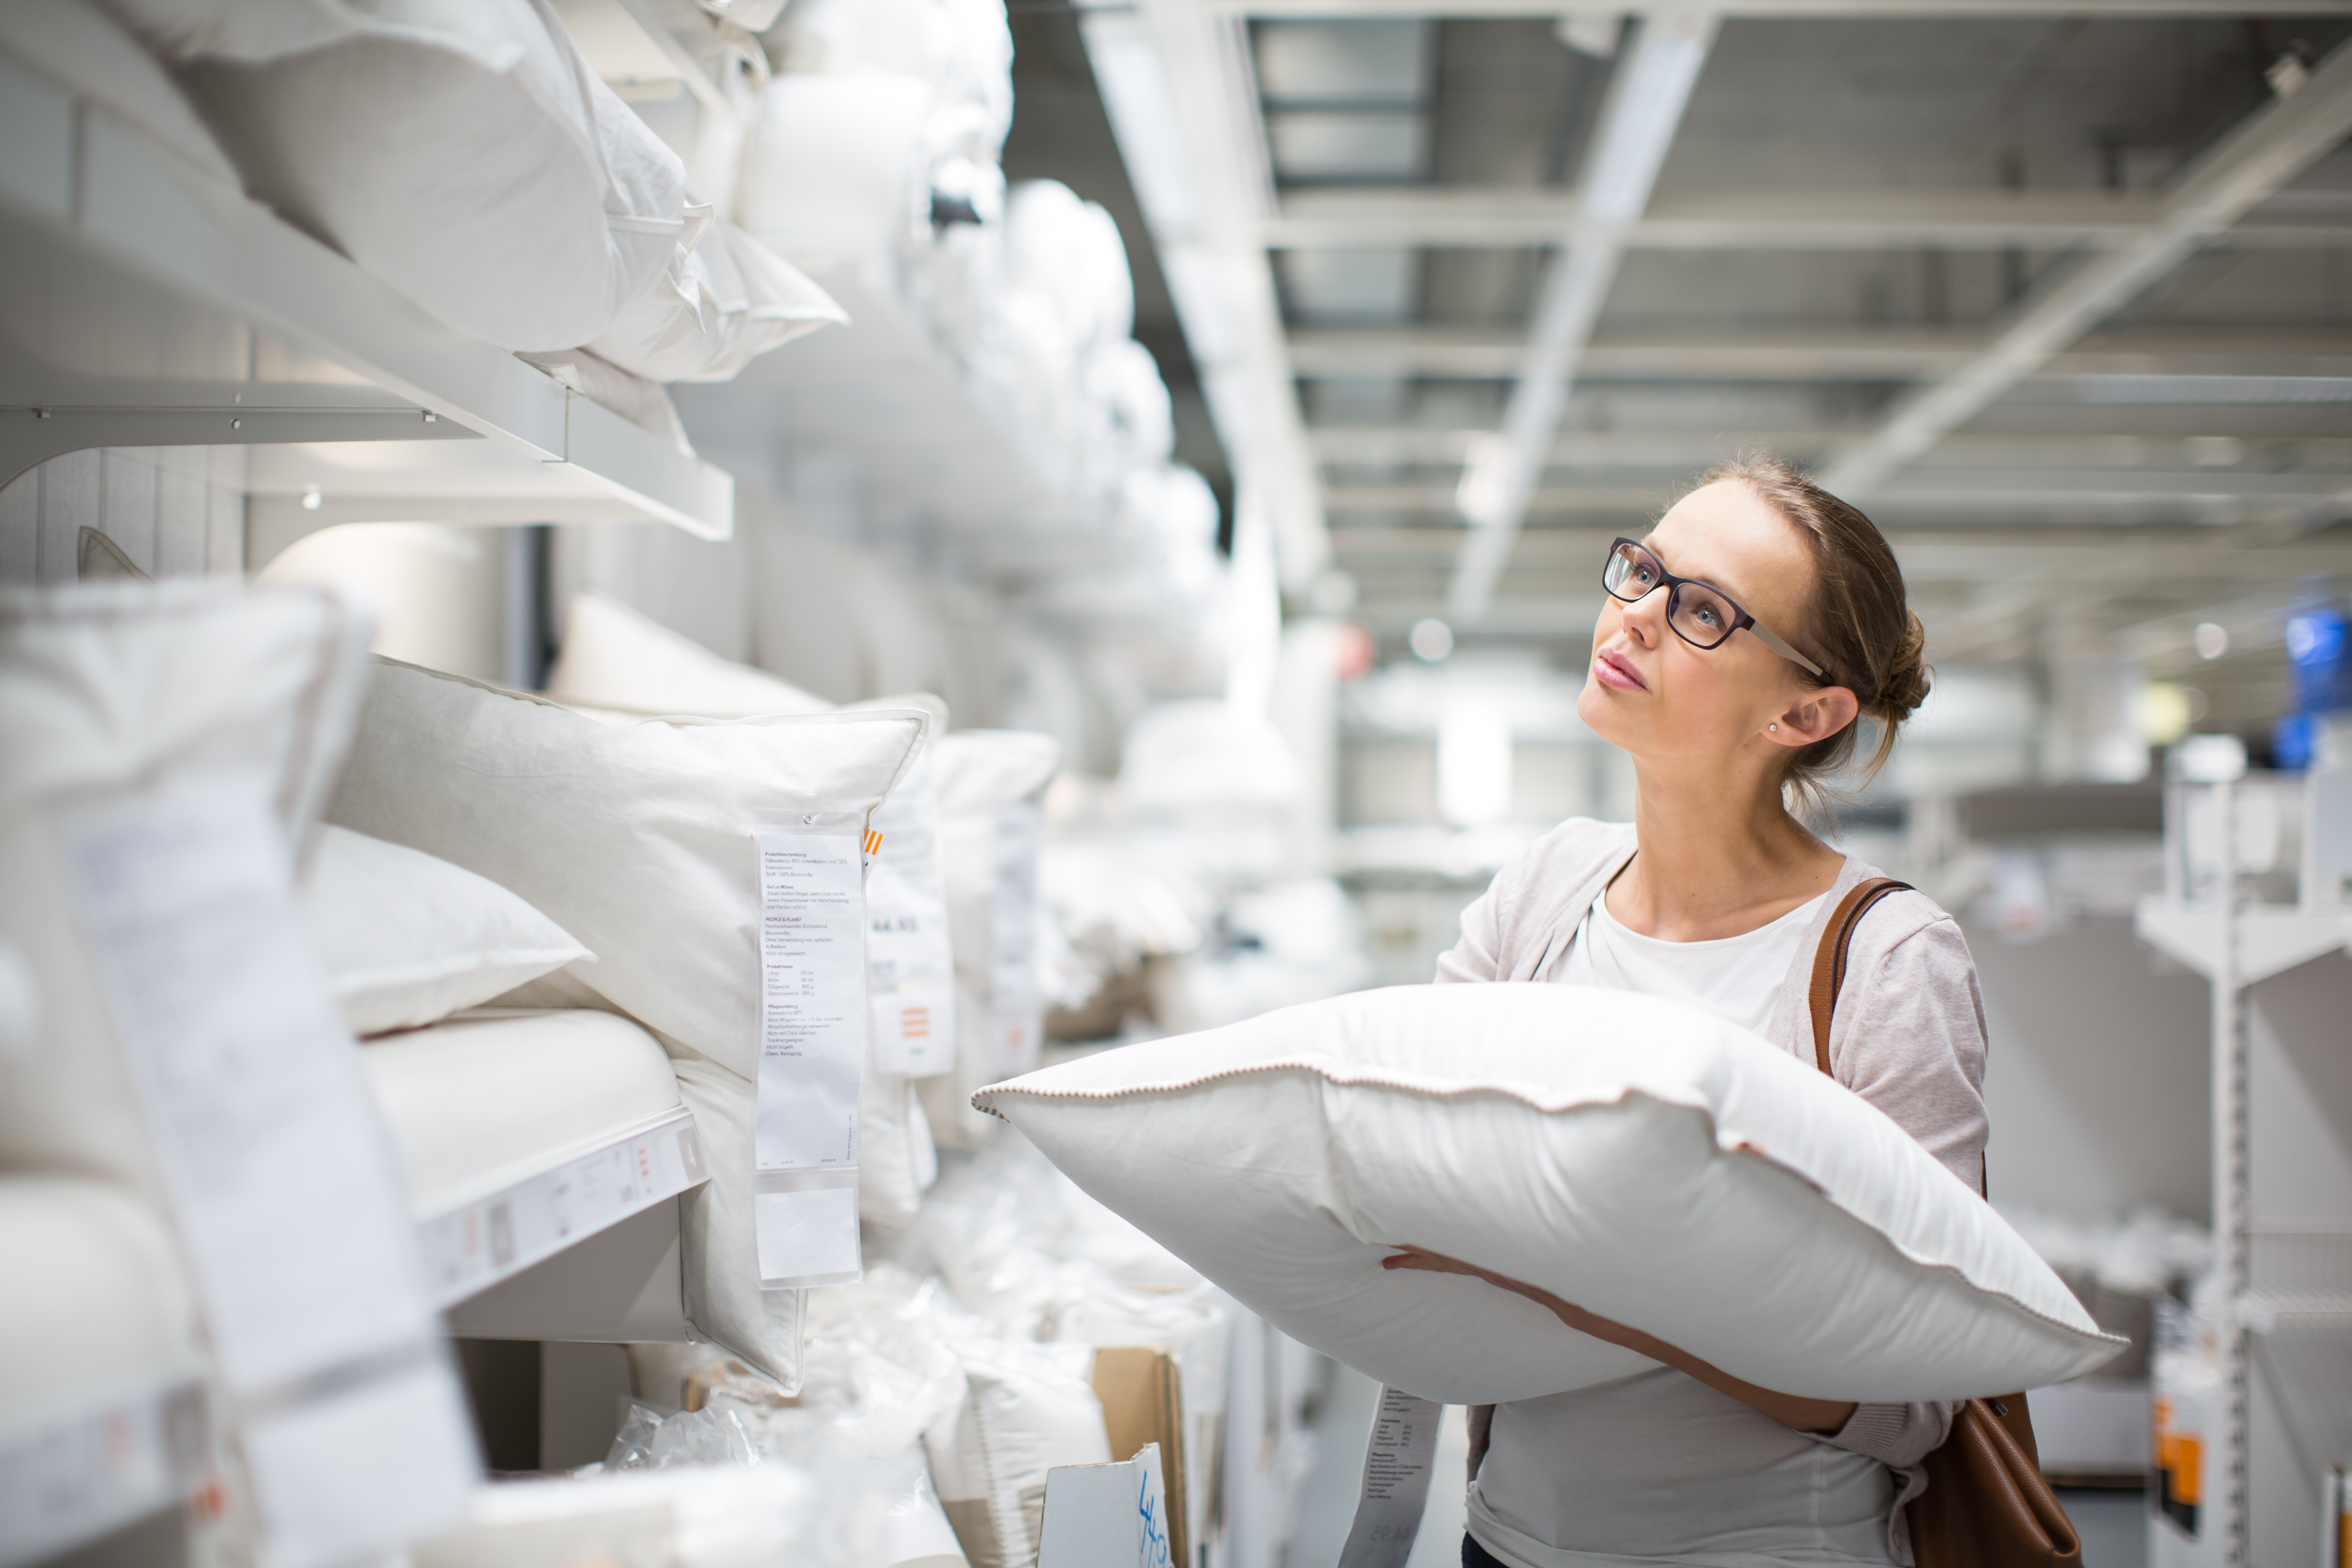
1906,680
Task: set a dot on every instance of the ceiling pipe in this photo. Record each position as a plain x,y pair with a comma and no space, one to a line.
2266,149
1647,91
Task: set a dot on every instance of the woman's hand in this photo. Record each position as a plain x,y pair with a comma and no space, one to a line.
1822,1417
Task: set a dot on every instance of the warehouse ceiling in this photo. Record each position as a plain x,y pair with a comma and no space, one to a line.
1853,244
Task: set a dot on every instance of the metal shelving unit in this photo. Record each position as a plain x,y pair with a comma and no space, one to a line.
143,302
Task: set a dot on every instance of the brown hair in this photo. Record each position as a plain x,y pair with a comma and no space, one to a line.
1858,625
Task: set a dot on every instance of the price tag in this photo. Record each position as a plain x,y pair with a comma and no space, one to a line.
910,969
1397,1459
813,1020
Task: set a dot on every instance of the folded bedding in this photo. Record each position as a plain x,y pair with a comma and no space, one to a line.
477,1104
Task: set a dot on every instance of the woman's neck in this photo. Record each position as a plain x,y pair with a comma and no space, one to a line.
1716,860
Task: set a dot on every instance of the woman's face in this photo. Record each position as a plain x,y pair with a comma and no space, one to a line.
1652,695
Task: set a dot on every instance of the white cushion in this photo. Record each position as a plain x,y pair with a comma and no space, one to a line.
1029,1408
477,1104
637,839
617,661
408,938
616,657
719,307
464,155
1639,1158
95,1308
112,689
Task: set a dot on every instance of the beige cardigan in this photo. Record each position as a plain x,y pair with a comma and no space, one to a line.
1908,1037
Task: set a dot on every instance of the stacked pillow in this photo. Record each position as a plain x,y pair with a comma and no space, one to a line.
406,939
637,838
617,662
1639,1158
988,784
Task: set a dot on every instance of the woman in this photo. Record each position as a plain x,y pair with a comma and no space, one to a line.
1741,642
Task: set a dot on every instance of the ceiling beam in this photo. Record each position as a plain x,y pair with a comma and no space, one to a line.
1649,86
1176,81
1486,219
2211,495
1386,445
2265,151
1942,10
1829,354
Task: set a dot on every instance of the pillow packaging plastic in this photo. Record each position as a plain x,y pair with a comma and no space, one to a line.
1639,1158
112,690
721,304
639,841
406,939
467,156
615,659
644,403
1030,1408
692,1516
988,782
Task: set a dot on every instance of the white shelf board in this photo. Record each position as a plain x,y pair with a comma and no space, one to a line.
135,287
72,1478
2271,940
478,1239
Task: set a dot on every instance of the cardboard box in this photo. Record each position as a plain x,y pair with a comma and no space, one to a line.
1142,1396
1106,1516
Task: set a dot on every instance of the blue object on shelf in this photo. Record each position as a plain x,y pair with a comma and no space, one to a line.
2294,742
2315,647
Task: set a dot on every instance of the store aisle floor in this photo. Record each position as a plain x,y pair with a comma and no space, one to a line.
2114,1524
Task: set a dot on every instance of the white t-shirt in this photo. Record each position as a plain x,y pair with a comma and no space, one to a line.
1658,1467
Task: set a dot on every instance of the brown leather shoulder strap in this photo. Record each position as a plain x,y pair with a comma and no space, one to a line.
1829,961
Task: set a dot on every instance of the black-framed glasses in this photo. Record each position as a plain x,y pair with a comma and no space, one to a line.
1701,615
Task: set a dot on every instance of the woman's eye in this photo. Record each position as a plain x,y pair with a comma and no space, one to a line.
1708,618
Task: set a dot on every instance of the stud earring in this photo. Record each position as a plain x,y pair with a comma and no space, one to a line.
1774,728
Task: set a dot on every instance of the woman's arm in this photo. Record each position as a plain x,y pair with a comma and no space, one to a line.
1822,1417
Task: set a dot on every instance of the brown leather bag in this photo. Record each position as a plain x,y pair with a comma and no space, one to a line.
1986,1505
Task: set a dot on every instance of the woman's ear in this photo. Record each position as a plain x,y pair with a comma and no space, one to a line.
1816,716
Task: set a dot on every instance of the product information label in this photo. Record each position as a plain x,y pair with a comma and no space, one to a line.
1395,1491
1019,1036
812,992
910,969
280,1172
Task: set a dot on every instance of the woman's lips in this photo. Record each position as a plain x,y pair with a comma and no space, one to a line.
1615,670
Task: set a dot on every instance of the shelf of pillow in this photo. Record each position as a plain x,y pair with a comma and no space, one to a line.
144,301
102,1398
883,393
523,1134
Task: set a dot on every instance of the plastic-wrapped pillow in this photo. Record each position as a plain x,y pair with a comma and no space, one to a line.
988,782
638,839
719,306
1030,1409
464,154
1639,1157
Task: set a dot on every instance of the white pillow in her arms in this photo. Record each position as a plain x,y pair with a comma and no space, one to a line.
408,938
638,841
1636,1156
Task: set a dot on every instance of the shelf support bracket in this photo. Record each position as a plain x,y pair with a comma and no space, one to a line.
32,436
